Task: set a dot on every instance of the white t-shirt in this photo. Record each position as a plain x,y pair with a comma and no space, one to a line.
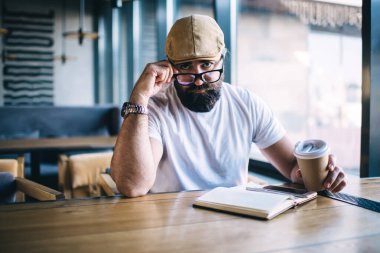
206,150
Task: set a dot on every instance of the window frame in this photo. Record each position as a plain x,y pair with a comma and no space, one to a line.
370,136
226,13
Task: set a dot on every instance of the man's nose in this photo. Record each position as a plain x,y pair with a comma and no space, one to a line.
198,82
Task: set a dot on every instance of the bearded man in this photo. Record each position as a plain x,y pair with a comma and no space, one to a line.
185,129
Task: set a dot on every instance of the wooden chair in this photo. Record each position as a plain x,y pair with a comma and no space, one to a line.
108,185
79,175
84,175
13,185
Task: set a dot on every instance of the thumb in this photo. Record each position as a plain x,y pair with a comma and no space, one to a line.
298,173
297,176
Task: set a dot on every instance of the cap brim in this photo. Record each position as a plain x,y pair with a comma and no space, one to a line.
194,59
198,58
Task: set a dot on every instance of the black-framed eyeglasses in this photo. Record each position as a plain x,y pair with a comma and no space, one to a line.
211,76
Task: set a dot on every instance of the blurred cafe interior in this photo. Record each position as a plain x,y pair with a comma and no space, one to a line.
68,66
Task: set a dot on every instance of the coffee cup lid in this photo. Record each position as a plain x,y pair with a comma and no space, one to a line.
310,149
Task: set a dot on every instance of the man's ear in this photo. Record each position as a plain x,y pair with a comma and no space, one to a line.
224,52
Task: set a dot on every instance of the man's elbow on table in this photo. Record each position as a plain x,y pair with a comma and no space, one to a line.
127,188
132,192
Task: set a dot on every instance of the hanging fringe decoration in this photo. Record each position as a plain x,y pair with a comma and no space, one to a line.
325,14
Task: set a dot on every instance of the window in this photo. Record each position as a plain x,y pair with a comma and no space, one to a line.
310,75
190,7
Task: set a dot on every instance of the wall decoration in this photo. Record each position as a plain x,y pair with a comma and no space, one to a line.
327,13
27,56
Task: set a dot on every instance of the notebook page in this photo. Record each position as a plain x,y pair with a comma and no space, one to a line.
260,201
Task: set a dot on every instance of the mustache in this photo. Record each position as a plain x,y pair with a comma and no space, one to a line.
204,87
197,101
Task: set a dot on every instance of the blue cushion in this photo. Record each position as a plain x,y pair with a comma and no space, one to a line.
60,121
7,188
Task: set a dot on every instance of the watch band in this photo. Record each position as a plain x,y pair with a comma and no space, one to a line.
130,108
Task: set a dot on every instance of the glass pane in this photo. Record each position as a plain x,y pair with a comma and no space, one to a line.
308,69
189,7
149,33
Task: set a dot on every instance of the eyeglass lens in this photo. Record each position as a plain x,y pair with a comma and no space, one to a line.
208,77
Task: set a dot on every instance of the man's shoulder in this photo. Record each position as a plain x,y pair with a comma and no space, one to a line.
237,91
243,96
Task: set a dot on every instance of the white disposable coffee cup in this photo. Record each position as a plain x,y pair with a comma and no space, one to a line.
312,157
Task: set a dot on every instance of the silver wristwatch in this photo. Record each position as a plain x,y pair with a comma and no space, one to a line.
129,108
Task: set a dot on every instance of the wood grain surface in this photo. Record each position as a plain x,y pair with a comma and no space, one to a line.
168,223
26,145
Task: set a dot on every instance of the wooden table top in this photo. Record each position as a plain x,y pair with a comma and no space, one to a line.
70,143
169,223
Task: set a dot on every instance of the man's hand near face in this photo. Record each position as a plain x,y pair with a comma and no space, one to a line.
154,77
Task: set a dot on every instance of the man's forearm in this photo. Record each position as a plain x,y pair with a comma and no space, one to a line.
281,156
133,167
136,158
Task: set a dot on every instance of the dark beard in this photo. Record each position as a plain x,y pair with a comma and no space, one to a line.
199,102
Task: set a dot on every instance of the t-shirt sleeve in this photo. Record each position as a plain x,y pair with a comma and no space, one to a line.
154,128
268,130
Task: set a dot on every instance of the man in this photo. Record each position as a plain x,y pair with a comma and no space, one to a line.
185,129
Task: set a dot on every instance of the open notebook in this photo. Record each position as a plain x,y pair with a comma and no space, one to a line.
257,202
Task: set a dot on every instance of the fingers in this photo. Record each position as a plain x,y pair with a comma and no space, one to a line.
340,186
164,72
336,180
332,162
296,176
298,173
171,72
154,76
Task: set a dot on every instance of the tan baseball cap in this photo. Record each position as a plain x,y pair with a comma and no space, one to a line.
194,37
